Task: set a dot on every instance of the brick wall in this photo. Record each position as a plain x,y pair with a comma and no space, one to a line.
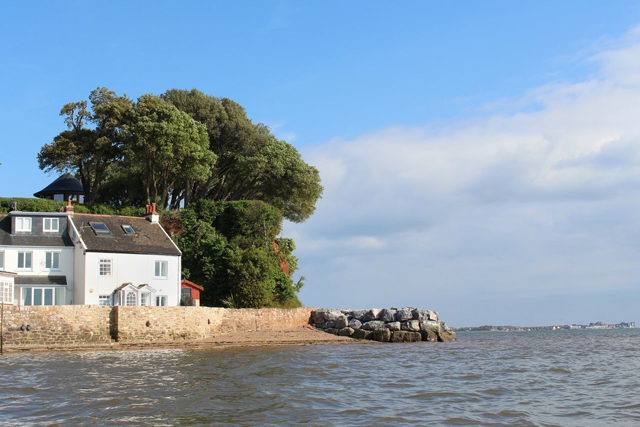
85,325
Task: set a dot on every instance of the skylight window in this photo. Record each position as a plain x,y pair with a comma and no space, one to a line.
128,229
100,229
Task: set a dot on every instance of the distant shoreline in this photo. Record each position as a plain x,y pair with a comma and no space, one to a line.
573,327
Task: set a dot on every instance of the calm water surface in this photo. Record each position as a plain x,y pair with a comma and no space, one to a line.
569,378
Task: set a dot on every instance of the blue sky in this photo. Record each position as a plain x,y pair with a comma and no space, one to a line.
480,158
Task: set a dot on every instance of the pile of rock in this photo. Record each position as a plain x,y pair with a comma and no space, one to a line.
386,325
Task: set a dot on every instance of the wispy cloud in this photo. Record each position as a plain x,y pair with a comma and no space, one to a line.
540,195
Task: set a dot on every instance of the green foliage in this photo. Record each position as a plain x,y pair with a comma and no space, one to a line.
166,148
46,205
92,141
251,163
228,248
177,149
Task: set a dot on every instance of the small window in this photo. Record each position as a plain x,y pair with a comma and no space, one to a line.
100,229
105,267
51,224
52,260
145,298
131,299
161,269
23,224
128,229
6,292
104,300
186,292
24,260
161,301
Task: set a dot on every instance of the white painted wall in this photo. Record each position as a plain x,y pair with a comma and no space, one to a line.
133,268
38,263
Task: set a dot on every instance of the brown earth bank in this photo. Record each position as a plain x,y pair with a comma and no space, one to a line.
298,336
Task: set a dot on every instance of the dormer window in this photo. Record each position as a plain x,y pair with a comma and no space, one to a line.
100,229
23,223
51,224
128,229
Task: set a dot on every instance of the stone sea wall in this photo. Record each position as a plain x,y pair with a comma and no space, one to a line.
386,325
56,325
81,325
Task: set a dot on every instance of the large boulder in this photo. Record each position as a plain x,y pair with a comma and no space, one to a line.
420,314
355,324
382,335
429,336
433,315
357,314
373,325
370,315
328,325
429,325
342,321
447,336
405,336
411,326
394,326
387,315
403,315
345,332
362,334
317,318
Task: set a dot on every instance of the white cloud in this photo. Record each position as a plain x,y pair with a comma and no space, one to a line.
539,200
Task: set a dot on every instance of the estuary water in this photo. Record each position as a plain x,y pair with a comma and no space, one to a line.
545,378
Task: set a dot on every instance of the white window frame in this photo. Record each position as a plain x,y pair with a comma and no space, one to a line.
164,268
161,300
128,301
25,255
54,291
23,223
50,258
104,300
105,267
6,292
52,222
145,298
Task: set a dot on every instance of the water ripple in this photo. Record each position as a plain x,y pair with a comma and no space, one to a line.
573,378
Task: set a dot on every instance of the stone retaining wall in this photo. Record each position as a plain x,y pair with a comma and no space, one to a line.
86,325
51,325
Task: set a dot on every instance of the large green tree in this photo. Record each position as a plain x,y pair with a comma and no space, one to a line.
92,141
251,163
165,148
231,249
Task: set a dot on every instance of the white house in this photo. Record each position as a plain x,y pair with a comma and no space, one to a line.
71,258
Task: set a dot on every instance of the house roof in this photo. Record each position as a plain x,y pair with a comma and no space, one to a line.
138,287
147,238
187,284
6,239
65,184
40,280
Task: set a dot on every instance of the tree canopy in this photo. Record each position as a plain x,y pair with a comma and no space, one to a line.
231,249
92,141
176,149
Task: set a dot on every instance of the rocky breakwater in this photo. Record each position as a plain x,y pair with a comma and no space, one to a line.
386,325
